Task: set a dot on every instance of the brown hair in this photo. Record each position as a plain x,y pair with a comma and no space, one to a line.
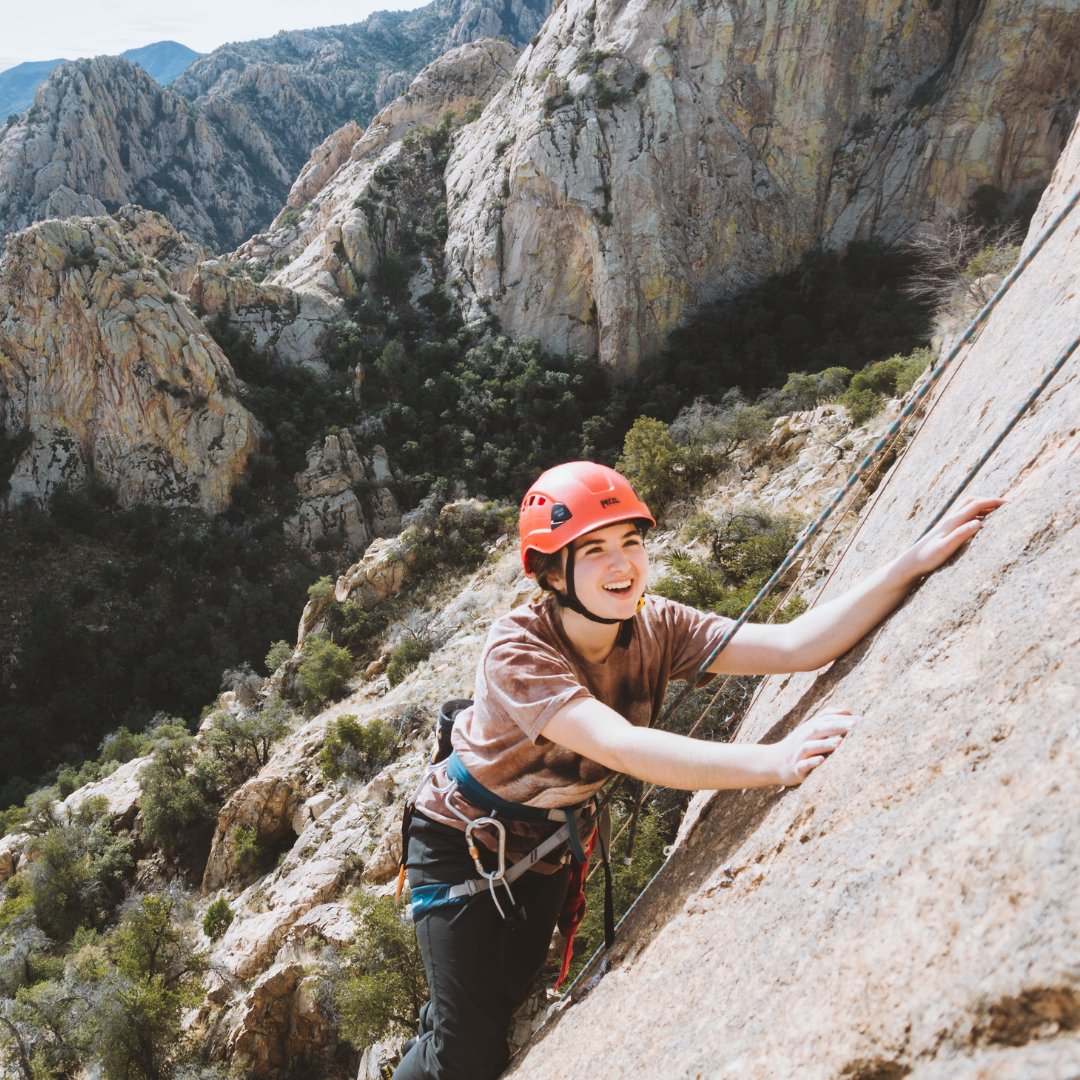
542,565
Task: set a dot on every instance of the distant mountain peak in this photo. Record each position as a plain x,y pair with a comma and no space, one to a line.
162,60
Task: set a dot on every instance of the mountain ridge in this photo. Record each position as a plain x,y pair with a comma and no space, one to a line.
163,61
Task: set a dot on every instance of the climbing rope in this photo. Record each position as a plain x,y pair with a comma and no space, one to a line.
1014,420
875,454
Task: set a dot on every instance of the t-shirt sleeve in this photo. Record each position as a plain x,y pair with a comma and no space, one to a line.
694,634
528,683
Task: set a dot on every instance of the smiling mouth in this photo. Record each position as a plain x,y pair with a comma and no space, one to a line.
619,588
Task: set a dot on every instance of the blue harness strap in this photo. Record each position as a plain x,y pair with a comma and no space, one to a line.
423,898
480,796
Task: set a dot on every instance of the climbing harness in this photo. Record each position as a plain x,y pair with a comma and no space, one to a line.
427,897
875,452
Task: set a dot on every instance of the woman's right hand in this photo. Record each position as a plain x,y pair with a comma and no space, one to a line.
804,749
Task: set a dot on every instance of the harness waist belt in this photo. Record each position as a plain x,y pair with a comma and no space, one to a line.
486,799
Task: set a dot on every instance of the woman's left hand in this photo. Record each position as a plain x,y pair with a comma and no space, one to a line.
954,530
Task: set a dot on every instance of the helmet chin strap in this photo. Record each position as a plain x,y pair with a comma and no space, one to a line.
569,599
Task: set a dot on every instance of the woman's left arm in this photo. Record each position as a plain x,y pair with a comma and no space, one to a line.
827,631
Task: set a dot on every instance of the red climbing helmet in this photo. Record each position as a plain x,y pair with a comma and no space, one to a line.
571,500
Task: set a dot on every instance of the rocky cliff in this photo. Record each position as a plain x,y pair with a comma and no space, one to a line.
645,158
216,152
102,133
349,205
106,374
912,910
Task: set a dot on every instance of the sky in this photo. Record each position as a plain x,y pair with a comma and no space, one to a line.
75,28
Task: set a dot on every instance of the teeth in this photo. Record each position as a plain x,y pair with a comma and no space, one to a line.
618,585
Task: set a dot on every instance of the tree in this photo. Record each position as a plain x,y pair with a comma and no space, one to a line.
174,804
324,670
79,872
137,1007
218,918
280,653
238,744
376,985
654,463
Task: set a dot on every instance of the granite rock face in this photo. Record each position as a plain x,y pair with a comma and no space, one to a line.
913,908
645,158
344,497
283,325
102,133
216,151
336,224
107,374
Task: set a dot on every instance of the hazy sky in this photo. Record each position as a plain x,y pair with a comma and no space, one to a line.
74,28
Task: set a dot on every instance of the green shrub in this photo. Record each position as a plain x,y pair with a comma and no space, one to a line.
356,750
218,918
861,404
996,258
122,745
11,819
357,625
868,388
911,367
176,808
711,432
248,854
138,1026
747,547
238,745
702,586
376,985
321,592
750,543
390,277
802,391
69,778
280,653
324,671
79,872
412,652
456,536
654,463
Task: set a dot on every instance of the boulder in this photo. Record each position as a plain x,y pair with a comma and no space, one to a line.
344,497
266,804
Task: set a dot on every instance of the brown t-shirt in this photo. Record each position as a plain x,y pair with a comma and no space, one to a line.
528,672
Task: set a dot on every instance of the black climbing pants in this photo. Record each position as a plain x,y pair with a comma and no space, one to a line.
479,966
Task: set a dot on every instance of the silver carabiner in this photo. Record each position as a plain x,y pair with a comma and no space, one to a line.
474,851
498,875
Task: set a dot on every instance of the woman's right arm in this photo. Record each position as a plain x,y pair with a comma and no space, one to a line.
594,731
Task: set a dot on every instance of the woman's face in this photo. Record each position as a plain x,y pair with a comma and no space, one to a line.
611,570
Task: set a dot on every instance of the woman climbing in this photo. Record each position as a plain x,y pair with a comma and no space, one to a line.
566,693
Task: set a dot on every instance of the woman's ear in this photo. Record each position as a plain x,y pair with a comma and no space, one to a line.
554,577
556,580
